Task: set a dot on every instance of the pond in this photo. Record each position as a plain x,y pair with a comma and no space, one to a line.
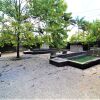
83,58
80,60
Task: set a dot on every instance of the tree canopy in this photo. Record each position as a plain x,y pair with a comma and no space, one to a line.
51,17
90,34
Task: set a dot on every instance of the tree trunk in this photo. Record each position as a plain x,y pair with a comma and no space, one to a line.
18,34
18,44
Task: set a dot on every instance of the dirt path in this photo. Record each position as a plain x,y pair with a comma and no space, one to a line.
34,78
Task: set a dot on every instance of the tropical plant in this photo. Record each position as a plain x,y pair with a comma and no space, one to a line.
82,25
95,29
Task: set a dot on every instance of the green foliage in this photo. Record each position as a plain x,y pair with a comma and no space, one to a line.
95,29
81,23
83,38
73,38
38,40
90,38
78,37
90,34
52,13
47,39
28,39
58,39
14,9
7,38
18,13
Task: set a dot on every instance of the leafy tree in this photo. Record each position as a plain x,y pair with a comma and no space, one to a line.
77,37
95,33
89,36
46,38
16,11
79,22
50,13
53,14
7,37
82,25
27,35
95,29
6,32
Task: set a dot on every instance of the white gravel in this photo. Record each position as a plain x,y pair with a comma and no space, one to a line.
34,78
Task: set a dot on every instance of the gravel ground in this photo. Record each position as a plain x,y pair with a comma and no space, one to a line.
34,78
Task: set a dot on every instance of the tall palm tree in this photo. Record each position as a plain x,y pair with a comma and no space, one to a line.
79,23
82,24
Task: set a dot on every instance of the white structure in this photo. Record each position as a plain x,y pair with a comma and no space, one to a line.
45,46
76,48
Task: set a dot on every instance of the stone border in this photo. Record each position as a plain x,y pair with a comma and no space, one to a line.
59,62
42,51
84,65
